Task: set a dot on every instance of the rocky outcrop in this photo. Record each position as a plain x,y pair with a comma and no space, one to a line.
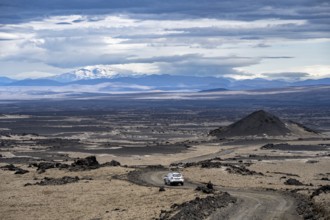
294,182
80,164
55,181
11,167
199,208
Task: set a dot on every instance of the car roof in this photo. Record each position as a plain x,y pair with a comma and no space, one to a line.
174,173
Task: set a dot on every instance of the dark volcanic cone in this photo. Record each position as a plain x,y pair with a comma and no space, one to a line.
258,123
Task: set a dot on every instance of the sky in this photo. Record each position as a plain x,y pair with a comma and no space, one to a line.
241,39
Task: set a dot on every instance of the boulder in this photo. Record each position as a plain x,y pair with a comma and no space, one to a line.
322,189
55,181
17,170
204,189
292,181
88,161
21,171
209,185
112,163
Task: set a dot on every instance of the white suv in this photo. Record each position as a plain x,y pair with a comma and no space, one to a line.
173,178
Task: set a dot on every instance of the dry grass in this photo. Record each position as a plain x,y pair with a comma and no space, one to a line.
101,198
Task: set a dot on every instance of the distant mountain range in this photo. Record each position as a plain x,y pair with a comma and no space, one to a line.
5,81
100,75
87,73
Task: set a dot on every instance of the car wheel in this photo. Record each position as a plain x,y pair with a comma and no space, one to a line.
165,182
182,183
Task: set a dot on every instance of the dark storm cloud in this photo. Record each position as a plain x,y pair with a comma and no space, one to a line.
277,57
189,64
289,31
261,45
7,38
286,75
14,11
63,23
190,37
201,66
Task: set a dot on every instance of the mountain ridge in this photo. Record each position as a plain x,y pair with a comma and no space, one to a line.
88,72
94,75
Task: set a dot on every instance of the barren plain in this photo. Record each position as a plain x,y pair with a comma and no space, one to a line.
49,172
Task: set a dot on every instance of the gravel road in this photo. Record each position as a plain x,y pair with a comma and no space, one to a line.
252,204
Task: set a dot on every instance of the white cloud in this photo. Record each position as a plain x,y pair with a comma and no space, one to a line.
316,71
8,36
143,68
73,41
23,69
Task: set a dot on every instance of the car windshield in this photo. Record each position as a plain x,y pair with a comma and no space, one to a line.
177,175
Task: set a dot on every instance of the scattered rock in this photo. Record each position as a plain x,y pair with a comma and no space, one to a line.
292,181
86,162
112,163
161,189
55,181
307,208
204,189
301,147
288,174
43,166
5,134
197,208
155,167
322,189
208,188
63,166
80,164
11,167
267,146
215,163
21,171
90,163
209,164
209,185
325,179
49,165
242,170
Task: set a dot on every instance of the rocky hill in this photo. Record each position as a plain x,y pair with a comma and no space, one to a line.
262,123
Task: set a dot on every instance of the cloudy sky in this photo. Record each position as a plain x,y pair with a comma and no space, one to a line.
242,39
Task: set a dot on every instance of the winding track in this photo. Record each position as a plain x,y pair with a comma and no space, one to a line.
252,204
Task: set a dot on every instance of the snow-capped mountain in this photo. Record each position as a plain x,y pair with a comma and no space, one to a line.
88,72
123,79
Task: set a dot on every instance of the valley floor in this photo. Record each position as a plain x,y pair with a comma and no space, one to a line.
273,182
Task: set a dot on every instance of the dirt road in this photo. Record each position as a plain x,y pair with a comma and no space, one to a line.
259,205
252,204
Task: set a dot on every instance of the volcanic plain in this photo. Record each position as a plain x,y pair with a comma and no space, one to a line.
109,163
